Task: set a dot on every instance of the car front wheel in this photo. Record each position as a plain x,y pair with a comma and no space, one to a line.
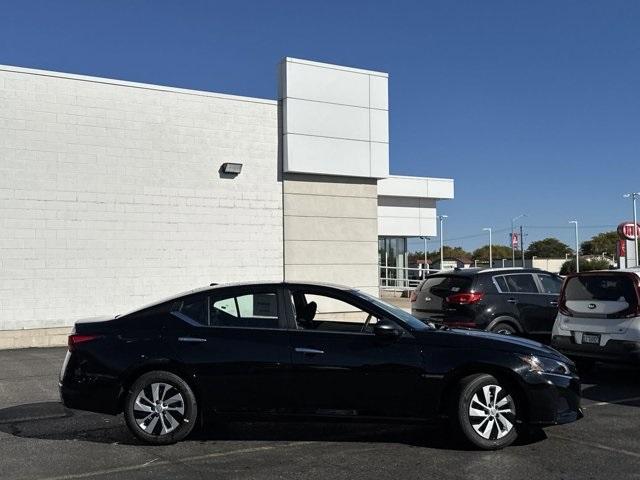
485,412
160,408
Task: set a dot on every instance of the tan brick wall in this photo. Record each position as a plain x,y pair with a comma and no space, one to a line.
34,337
331,230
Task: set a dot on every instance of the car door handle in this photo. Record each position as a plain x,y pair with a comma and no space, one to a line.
309,351
512,300
192,339
553,303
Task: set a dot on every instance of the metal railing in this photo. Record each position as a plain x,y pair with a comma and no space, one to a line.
409,279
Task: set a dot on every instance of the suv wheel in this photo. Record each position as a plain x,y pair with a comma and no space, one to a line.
485,412
504,329
160,408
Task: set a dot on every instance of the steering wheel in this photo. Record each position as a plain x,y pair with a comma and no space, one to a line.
366,323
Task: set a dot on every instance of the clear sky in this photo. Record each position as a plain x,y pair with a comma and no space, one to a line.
531,106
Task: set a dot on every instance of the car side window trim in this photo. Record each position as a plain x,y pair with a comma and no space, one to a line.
292,325
535,281
234,293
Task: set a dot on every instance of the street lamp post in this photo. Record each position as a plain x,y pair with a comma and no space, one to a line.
426,267
575,222
488,229
442,217
633,197
513,247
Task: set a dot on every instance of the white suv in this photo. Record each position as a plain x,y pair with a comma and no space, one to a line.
599,317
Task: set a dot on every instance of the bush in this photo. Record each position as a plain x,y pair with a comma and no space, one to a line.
585,265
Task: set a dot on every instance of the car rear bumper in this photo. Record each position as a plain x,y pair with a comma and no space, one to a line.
553,399
83,390
617,351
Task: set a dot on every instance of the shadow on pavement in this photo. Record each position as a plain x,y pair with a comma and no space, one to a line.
609,383
52,421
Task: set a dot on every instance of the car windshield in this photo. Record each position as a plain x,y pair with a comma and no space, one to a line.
397,312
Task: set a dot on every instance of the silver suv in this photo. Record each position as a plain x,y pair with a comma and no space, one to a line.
599,317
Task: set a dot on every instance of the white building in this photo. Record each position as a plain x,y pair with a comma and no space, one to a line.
112,193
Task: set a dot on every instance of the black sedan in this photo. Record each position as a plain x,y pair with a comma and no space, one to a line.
301,350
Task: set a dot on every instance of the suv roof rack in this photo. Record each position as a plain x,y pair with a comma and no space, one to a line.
498,269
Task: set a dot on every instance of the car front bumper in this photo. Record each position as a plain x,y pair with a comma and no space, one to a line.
553,399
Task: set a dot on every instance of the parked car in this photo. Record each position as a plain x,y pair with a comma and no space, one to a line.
599,317
502,300
309,350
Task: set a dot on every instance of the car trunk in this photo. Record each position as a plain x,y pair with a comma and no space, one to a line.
600,302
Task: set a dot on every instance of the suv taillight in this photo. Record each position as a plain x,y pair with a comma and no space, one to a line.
75,339
465,298
562,307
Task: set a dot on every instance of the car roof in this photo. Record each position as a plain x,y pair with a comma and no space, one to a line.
474,271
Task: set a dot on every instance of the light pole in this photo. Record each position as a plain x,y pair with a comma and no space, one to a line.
513,247
633,197
488,229
425,255
442,217
575,222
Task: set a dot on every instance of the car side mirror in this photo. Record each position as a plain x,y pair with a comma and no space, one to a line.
387,330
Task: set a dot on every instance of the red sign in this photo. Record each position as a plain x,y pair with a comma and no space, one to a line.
626,231
622,248
514,240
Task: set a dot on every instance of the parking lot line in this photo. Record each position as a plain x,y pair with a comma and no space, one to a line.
629,453
612,402
155,463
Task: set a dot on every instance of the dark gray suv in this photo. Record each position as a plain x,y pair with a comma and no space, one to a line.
504,300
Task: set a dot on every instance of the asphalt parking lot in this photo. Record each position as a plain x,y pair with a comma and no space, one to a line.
40,439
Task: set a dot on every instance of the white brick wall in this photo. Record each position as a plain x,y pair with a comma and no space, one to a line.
110,195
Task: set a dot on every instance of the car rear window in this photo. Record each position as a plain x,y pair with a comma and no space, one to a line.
443,286
601,287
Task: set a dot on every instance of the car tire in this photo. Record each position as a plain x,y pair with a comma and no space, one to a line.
504,329
160,408
484,412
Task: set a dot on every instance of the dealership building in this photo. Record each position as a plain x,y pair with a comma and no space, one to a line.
113,193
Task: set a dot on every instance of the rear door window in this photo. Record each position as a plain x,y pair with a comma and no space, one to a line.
521,283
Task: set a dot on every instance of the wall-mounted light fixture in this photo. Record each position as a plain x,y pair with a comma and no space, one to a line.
231,168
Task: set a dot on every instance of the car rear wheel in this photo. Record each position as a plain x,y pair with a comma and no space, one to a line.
504,329
485,412
160,408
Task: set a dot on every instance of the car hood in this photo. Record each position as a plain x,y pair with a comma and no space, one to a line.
478,339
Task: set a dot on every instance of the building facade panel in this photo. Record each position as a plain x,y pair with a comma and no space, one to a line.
328,236
111,195
330,125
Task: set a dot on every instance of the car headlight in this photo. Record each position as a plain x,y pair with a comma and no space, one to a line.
546,365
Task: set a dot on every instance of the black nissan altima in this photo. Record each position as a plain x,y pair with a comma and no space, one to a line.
309,350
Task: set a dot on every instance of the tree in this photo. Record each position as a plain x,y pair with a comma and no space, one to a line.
585,265
498,252
547,248
603,242
449,252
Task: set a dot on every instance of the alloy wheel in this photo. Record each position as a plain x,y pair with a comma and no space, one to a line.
492,412
159,408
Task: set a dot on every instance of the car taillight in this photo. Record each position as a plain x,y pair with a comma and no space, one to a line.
75,339
413,297
465,298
